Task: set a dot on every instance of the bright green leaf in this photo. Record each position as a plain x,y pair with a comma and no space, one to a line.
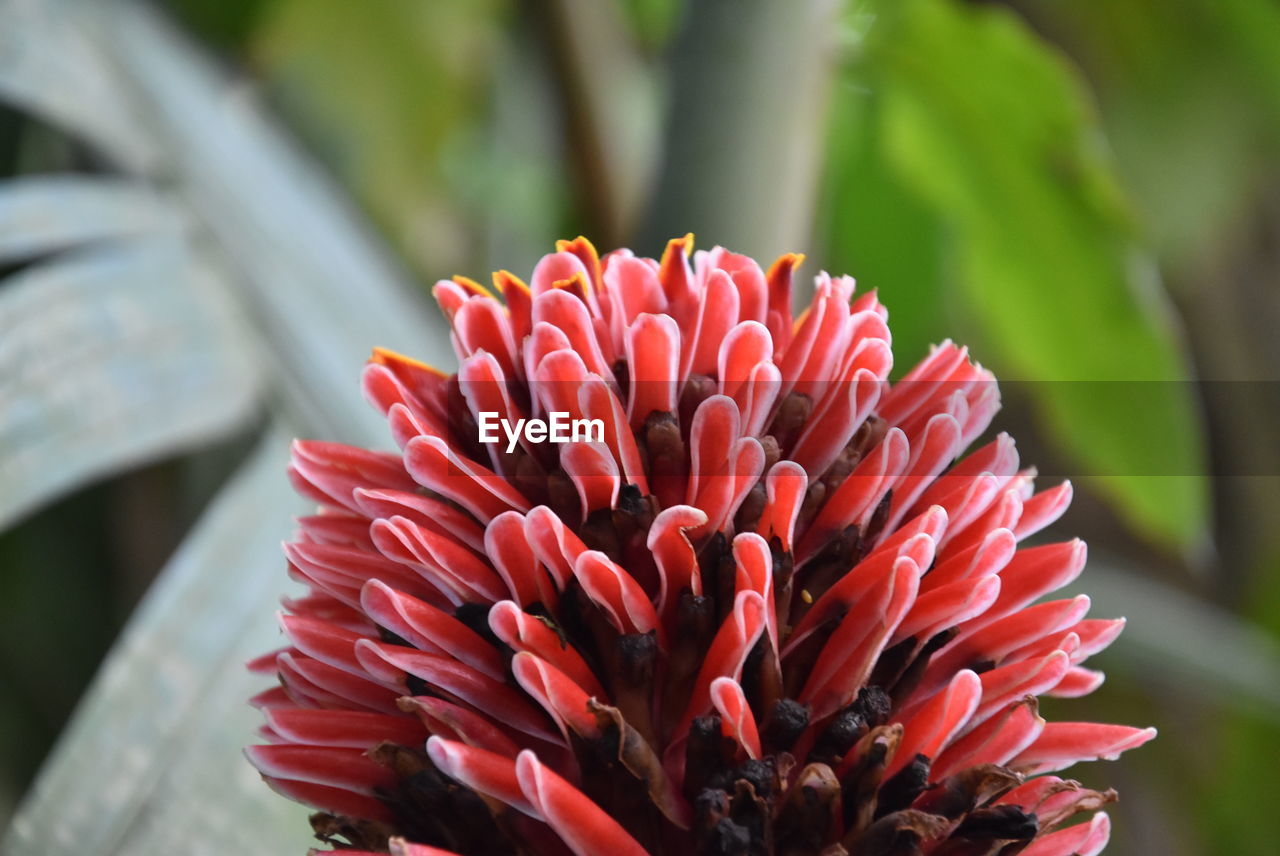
994,131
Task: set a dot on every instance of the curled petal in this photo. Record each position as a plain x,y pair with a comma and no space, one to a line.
1062,744
675,557
483,771
716,427
930,452
858,496
480,325
594,473
598,402
849,654
524,632
331,766
352,729
506,543
738,722
455,722
747,345
994,741
390,664
439,517
653,356
555,545
727,654
1077,682
616,592
558,694
561,309
931,730
479,490
717,314
1085,839
323,685
831,428
440,559
582,824
330,472
1043,509
429,629
785,487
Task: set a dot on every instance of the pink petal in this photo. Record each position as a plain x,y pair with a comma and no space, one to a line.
677,561
456,722
785,487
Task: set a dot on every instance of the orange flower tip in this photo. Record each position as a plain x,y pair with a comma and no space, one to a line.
579,245
505,281
471,286
391,359
787,262
684,244
576,284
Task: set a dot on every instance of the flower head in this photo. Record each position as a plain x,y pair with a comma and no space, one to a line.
765,602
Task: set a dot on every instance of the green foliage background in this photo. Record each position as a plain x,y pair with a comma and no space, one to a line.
1086,193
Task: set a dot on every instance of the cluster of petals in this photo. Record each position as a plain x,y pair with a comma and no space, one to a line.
782,605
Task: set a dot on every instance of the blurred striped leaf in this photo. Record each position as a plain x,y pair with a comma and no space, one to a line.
252,234
113,354
151,761
994,132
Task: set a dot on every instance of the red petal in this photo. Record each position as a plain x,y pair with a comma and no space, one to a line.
558,694
932,729
480,770
736,719
1085,839
1062,744
432,630
675,557
479,490
616,592
993,742
653,358
524,632
390,663
583,825
352,729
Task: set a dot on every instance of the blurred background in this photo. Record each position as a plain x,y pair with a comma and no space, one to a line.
210,211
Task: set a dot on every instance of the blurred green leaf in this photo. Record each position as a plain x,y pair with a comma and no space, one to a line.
1191,101
878,229
382,88
993,130
1246,745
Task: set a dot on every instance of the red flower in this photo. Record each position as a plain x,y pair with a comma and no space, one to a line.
760,604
